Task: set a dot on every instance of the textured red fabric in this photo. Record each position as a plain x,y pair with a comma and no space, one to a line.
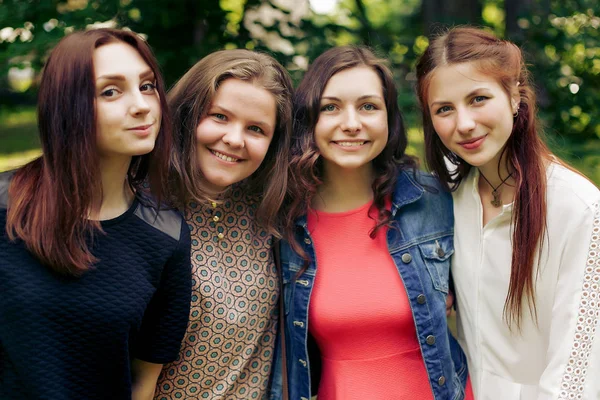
360,315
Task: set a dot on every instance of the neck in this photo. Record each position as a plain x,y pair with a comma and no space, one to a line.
116,193
496,171
497,176
344,189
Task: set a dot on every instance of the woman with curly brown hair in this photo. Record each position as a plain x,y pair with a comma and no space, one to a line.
369,240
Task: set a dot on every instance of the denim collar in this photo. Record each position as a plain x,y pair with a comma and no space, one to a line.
406,191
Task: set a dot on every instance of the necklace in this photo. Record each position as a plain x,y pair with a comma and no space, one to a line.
496,202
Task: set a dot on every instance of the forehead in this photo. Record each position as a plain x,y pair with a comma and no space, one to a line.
457,80
356,81
118,58
246,99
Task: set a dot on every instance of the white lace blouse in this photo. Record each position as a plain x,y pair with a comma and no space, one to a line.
559,358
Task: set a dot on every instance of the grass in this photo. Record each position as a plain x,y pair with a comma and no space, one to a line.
19,142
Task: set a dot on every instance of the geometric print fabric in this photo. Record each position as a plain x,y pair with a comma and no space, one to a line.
228,347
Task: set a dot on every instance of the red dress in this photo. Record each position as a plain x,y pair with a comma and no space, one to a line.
360,315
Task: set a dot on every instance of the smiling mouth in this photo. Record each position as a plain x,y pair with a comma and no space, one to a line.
224,157
350,144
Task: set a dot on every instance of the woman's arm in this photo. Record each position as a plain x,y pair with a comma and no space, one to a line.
573,356
144,378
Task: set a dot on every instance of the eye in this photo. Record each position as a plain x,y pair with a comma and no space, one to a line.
369,107
255,128
219,116
112,92
479,99
443,109
148,87
328,107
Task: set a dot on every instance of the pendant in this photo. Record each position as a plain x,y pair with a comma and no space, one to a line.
496,202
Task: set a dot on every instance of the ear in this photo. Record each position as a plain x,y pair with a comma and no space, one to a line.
515,98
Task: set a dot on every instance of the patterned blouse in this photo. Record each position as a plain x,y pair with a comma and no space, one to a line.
228,347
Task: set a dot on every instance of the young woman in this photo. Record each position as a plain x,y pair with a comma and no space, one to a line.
527,227
233,127
366,267
94,276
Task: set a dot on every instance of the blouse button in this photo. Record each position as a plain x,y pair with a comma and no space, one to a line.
220,236
213,204
406,258
430,340
216,218
441,381
421,299
307,240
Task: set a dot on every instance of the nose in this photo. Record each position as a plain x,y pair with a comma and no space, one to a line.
351,121
139,105
234,136
465,123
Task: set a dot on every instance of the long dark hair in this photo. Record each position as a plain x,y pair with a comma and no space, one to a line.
306,166
190,100
526,153
51,197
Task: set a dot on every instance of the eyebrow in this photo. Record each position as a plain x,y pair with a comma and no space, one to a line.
366,96
471,93
117,77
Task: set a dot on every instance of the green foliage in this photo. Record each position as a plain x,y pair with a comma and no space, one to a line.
563,46
564,50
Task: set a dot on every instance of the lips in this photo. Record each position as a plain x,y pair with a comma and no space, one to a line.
225,157
141,127
472,143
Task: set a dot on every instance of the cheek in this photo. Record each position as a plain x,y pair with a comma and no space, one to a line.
443,128
260,148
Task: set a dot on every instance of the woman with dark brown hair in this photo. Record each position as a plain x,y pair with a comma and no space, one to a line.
369,240
94,273
232,121
527,227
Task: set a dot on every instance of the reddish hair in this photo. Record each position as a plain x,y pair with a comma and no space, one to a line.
306,165
526,153
51,197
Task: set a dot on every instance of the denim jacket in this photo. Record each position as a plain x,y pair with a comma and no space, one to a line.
420,241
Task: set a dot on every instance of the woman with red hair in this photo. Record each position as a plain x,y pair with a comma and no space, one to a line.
94,273
527,227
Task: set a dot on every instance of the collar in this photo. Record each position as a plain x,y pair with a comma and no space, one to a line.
407,190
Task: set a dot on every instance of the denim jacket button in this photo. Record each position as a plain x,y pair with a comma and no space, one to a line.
299,323
430,340
302,362
307,240
406,258
441,381
440,252
421,299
